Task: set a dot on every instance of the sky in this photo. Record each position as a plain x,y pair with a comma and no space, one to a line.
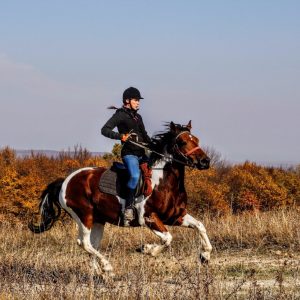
232,67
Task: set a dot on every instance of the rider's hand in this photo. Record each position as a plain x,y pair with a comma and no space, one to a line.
125,137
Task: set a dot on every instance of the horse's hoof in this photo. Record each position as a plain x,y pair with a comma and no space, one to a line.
108,268
140,249
203,259
152,249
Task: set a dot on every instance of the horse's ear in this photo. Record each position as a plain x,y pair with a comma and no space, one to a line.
189,125
172,127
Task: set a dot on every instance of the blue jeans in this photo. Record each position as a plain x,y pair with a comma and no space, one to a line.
132,163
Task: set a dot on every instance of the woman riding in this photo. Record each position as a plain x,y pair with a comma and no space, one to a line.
129,124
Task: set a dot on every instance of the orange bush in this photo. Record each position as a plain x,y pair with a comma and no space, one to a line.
245,187
23,179
205,193
219,190
290,180
252,183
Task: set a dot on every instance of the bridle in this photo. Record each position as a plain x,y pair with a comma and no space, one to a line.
177,150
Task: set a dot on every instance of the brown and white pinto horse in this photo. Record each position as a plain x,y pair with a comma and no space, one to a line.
80,196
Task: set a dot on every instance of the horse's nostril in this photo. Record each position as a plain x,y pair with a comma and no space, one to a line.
205,162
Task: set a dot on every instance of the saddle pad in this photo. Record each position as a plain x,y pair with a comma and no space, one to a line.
114,182
109,182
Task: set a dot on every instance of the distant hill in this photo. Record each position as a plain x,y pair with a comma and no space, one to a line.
50,153
275,164
55,153
279,164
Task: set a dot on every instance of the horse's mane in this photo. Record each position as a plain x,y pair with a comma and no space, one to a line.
164,138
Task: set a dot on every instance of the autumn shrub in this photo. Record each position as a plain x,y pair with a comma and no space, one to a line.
251,187
289,180
22,180
219,190
8,174
205,193
7,157
243,187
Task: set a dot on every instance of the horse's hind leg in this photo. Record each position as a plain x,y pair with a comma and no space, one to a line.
96,237
87,239
159,229
206,248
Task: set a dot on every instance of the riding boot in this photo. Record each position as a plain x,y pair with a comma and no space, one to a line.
128,213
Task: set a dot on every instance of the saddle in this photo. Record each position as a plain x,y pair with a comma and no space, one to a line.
114,181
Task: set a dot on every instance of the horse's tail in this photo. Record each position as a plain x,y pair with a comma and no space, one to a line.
49,207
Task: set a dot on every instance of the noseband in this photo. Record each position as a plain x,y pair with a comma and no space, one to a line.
188,153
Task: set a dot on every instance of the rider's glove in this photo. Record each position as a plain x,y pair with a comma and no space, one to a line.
124,137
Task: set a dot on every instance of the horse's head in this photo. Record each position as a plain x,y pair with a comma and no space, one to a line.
186,146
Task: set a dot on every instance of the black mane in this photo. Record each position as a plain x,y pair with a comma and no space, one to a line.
165,139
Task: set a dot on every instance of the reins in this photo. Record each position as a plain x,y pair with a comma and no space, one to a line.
169,157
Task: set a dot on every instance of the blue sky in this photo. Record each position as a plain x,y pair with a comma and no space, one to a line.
232,67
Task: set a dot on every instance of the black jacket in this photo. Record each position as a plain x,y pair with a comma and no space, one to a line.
126,120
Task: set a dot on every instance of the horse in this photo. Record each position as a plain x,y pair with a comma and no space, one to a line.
79,195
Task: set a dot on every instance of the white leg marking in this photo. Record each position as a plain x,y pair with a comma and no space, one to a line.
155,249
189,221
87,246
166,237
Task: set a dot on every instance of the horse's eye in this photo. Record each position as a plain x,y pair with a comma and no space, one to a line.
181,143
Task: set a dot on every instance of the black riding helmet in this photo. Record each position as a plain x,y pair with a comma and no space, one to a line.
132,93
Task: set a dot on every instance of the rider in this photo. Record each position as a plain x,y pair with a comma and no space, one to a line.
130,124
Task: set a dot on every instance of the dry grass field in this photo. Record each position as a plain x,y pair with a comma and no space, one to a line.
255,256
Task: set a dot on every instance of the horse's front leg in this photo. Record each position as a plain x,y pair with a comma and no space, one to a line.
206,248
159,229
